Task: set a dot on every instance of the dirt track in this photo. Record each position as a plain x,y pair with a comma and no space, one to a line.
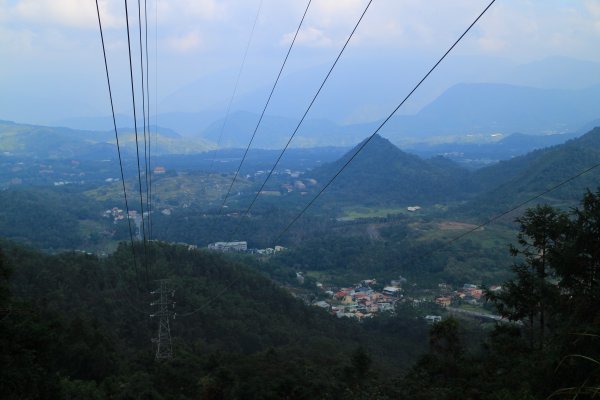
451,226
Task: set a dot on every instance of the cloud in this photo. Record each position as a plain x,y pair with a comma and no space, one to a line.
332,12
16,40
66,13
185,43
526,30
593,8
310,36
328,23
170,11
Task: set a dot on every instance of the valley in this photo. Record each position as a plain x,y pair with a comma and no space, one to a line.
399,247
265,200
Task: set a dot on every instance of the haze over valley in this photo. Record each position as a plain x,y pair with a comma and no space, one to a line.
302,200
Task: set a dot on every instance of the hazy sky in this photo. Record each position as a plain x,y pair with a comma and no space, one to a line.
51,63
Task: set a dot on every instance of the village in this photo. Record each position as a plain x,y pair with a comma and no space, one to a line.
360,301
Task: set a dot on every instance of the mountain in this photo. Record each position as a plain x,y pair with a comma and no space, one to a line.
384,80
384,174
185,123
274,132
485,108
464,110
512,181
46,142
475,155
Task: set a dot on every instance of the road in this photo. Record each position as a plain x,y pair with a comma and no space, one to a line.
475,314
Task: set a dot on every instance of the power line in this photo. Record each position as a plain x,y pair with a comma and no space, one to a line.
365,142
112,108
303,117
143,105
443,246
149,166
264,108
228,286
235,88
155,91
137,147
497,217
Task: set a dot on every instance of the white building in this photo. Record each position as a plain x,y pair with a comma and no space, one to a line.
229,246
391,290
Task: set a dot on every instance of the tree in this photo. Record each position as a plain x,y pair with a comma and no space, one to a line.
527,296
5,273
577,260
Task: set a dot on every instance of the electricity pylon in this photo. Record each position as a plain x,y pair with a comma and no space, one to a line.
164,349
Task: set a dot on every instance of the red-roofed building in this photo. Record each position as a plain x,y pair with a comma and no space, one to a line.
443,301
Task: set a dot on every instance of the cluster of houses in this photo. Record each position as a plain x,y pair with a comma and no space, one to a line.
118,214
469,294
115,213
360,301
295,183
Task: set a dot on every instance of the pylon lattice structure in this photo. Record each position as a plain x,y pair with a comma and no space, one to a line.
165,304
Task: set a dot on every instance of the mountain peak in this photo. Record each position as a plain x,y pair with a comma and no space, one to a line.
381,172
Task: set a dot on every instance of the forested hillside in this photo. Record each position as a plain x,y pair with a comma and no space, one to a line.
76,326
382,174
547,347
53,220
511,182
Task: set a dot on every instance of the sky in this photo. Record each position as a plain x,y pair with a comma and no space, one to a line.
51,65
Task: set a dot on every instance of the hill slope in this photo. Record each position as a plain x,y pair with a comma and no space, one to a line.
384,174
84,329
510,182
62,143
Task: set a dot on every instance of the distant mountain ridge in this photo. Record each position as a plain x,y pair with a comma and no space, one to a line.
463,109
58,142
476,155
274,132
491,108
480,108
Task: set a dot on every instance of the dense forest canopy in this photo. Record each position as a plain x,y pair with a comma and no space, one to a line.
76,326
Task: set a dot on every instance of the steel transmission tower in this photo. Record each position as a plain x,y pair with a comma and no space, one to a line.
164,349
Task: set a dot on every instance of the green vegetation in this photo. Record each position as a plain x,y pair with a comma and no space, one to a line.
56,220
45,142
383,176
508,183
400,248
551,348
363,212
200,190
76,326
